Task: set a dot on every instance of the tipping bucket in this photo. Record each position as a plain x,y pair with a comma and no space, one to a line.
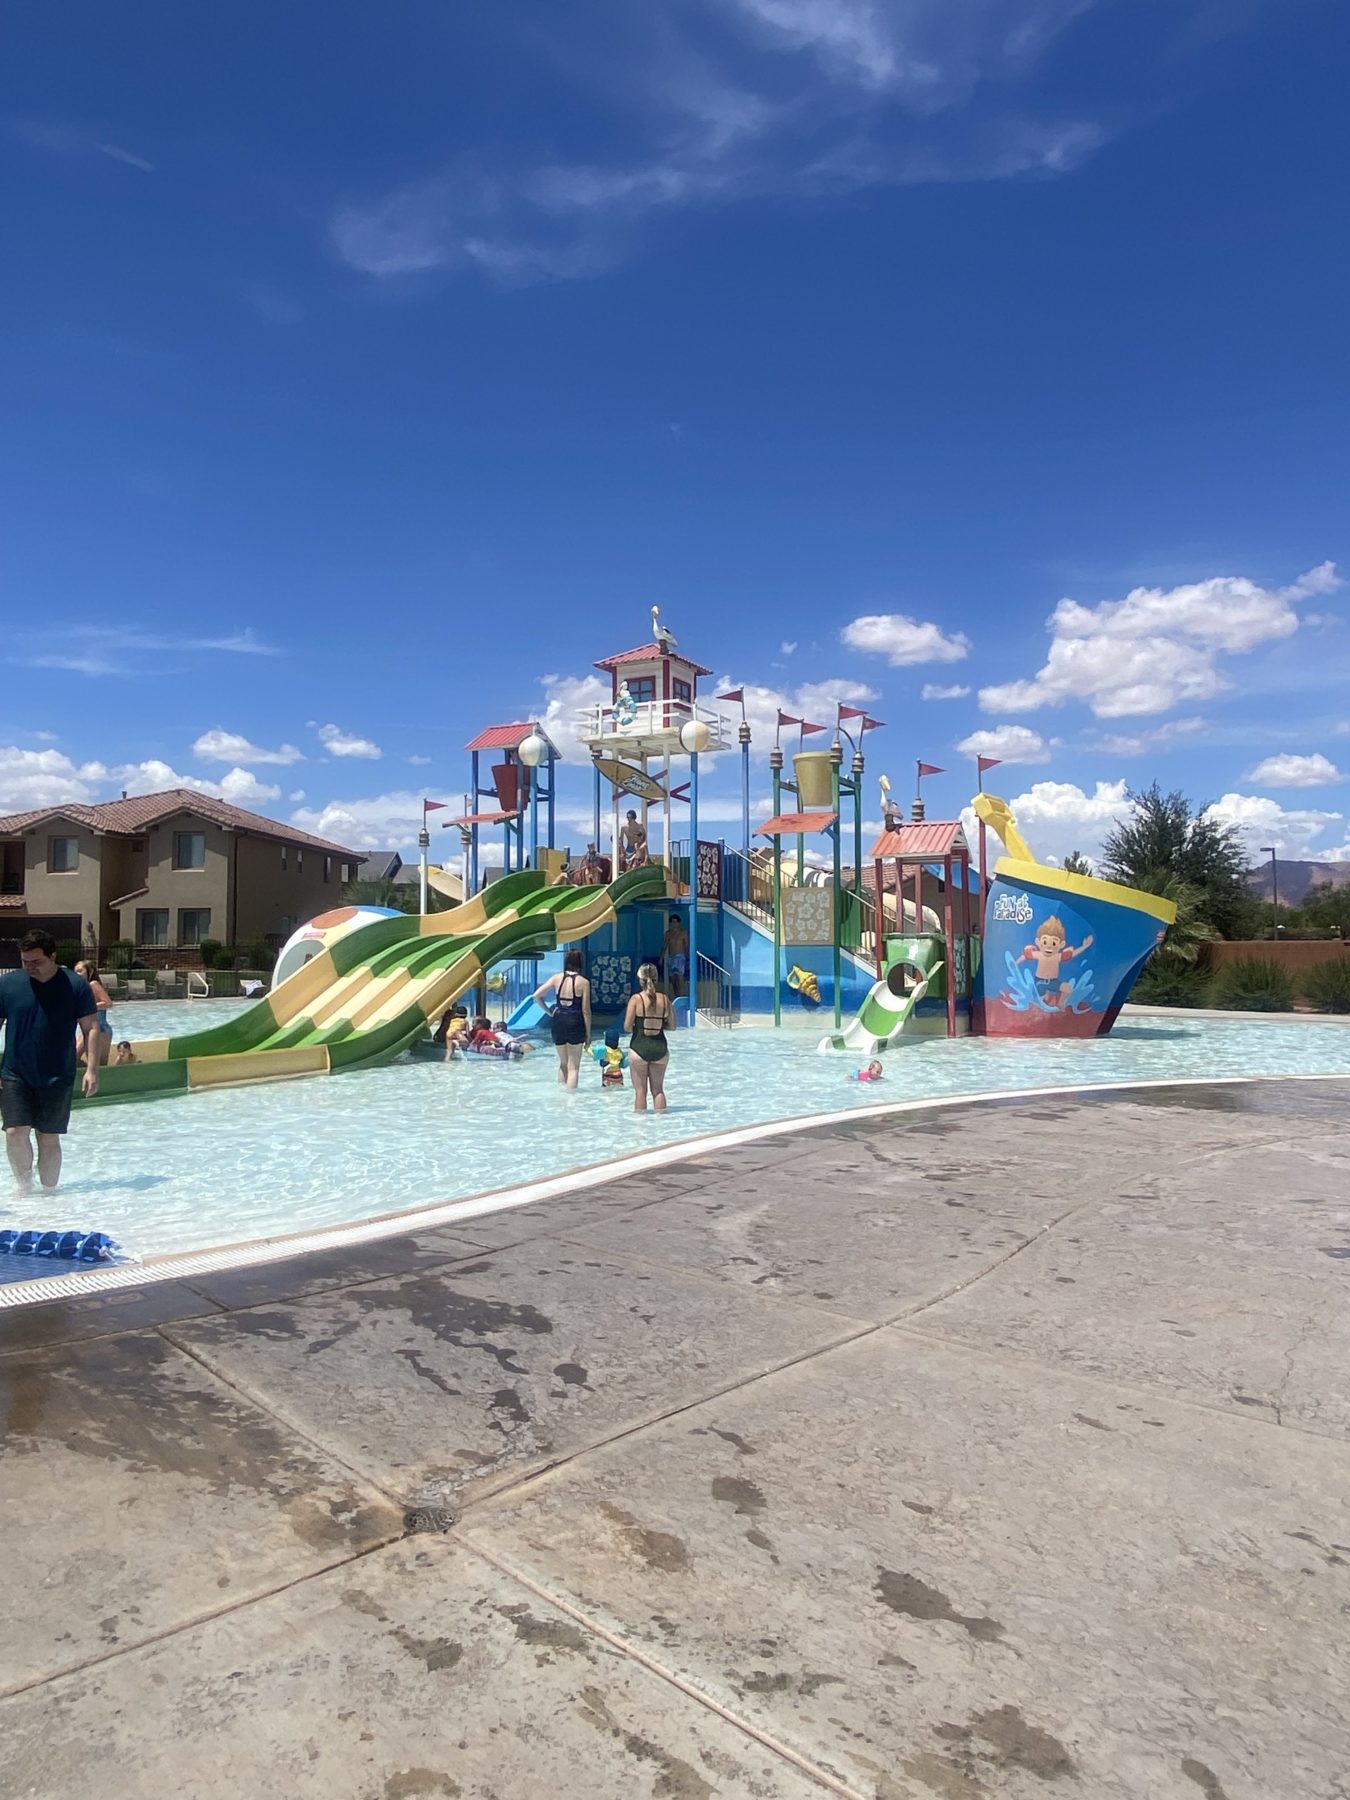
814,774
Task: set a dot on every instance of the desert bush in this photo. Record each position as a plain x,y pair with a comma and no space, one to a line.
1166,982
1327,985
1253,984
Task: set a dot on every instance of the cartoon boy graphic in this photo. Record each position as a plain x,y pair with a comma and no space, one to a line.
1050,952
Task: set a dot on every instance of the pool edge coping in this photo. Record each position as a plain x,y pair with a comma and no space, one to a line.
184,1264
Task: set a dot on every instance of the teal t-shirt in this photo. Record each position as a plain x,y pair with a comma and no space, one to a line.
40,1018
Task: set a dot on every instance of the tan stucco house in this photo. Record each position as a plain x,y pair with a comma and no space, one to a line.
164,871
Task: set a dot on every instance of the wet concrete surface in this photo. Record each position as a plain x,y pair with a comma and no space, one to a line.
984,1452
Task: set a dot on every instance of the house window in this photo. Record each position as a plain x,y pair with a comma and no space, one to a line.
682,690
152,926
63,855
194,925
642,688
299,860
346,873
283,859
327,868
189,849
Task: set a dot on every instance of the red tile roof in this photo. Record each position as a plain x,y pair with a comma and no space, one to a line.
501,737
125,818
489,818
922,840
646,653
796,824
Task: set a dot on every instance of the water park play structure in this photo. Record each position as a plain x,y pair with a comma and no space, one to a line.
908,939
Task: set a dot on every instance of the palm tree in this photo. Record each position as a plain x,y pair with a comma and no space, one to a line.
1191,928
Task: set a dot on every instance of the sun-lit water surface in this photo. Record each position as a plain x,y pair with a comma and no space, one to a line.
208,1169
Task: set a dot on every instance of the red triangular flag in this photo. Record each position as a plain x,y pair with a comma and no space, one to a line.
870,724
987,762
930,769
852,712
787,719
434,805
808,729
731,694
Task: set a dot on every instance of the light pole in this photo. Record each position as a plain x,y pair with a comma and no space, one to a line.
1269,850
694,736
532,751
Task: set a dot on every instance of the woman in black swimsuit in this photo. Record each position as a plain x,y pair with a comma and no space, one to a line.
647,1017
571,1016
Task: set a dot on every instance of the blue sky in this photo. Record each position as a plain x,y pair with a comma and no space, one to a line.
370,372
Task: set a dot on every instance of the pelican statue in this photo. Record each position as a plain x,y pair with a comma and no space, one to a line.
660,632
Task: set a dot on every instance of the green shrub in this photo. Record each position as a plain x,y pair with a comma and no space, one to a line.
1166,982
119,955
258,956
210,949
1253,984
1327,985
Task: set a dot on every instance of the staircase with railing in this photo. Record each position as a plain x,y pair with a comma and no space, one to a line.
716,993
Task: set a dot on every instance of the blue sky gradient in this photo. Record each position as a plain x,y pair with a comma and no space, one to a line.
369,373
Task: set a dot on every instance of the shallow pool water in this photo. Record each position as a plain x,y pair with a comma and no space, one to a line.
203,1170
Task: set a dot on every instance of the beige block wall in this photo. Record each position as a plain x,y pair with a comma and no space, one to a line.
269,895
76,892
173,889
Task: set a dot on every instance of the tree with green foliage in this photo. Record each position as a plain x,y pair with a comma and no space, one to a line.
1075,863
1165,836
1326,907
402,896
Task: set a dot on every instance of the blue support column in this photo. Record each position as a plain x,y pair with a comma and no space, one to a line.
693,890
473,830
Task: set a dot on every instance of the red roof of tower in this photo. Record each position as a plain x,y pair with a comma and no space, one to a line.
501,737
922,840
645,653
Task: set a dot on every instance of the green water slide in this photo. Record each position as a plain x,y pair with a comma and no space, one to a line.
888,1009
373,992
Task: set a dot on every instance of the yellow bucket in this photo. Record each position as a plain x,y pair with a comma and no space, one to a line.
815,779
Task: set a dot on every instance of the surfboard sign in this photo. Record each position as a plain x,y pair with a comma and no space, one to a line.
629,779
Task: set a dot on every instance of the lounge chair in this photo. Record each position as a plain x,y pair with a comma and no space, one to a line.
136,990
166,981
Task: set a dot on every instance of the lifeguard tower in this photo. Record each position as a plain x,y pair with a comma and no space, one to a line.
653,715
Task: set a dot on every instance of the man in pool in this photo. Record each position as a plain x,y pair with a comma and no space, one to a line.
40,1006
675,956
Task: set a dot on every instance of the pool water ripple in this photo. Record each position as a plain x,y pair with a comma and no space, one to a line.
225,1167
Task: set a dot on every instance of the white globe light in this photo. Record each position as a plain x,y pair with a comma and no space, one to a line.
532,751
695,735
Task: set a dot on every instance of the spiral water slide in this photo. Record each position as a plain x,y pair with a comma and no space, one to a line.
372,994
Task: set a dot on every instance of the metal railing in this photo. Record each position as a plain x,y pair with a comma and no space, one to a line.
716,993
651,719
747,884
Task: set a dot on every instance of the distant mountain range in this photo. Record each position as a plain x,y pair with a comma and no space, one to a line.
1295,878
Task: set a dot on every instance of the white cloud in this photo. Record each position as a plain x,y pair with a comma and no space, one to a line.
815,701
1138,743
239,786
296,796
566,697
1156,647
745,100
934,690
419,762
1288,771
105,649
377,822
787,647
228,746
1056,817
33,778
341,743
1293,831
63,139
1009,743
902,640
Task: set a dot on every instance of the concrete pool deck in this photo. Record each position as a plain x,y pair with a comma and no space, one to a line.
1000,1450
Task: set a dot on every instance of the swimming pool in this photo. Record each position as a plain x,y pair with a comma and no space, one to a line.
233,1165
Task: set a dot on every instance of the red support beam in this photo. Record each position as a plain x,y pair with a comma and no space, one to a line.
948,927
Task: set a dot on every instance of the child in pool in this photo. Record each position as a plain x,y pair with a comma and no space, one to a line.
124,1053
873,1072
612,1058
